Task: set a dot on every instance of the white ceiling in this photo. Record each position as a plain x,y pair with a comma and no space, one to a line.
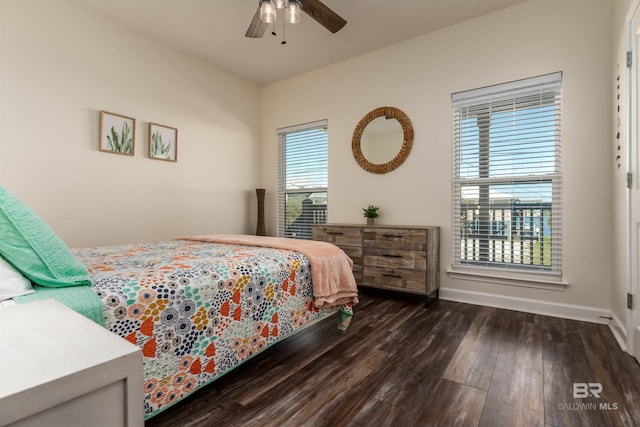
213,30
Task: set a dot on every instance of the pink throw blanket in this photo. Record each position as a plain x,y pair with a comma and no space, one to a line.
331,269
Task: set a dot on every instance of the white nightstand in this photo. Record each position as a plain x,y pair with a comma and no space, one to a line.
58,368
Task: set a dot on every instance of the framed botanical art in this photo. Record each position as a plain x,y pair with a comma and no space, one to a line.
117,133
163,142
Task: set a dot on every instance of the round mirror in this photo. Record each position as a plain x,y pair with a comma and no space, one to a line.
382,140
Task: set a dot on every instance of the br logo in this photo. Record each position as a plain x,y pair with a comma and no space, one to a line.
584,390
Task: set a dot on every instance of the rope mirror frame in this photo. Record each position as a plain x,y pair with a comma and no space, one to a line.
407,143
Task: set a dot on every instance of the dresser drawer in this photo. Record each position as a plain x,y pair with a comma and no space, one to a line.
396,279
395,258
339,236
347,238
393,238
355,253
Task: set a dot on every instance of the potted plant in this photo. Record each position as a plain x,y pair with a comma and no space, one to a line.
370,212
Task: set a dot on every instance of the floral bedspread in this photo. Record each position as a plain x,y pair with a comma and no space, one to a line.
197,309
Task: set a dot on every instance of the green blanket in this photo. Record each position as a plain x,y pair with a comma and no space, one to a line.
82,299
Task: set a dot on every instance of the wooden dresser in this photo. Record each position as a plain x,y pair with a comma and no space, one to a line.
399,258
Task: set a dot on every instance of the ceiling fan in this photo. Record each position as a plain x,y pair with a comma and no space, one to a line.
314,8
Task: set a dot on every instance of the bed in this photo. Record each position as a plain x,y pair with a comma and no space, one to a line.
197,306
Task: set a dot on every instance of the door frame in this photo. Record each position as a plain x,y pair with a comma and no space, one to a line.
632,167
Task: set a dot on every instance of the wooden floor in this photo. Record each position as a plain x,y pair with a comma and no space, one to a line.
450,365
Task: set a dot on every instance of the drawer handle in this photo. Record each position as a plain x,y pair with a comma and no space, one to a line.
391,275
335,233
391,235
391,256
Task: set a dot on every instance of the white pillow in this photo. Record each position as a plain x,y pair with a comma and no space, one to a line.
12,283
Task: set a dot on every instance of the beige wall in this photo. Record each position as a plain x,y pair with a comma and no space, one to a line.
418,77
59,66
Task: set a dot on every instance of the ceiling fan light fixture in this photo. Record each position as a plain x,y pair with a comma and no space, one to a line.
281,4
267,11
292,12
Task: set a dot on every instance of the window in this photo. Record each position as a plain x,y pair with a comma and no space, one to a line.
303,179
507,176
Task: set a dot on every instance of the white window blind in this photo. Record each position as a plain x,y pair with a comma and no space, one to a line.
507,177
302,178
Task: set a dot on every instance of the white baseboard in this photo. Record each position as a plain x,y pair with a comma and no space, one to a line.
619,331
566,311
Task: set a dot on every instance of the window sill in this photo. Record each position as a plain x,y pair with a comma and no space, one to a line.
543,281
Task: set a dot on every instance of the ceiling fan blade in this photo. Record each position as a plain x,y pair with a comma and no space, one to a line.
325,16
257,28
